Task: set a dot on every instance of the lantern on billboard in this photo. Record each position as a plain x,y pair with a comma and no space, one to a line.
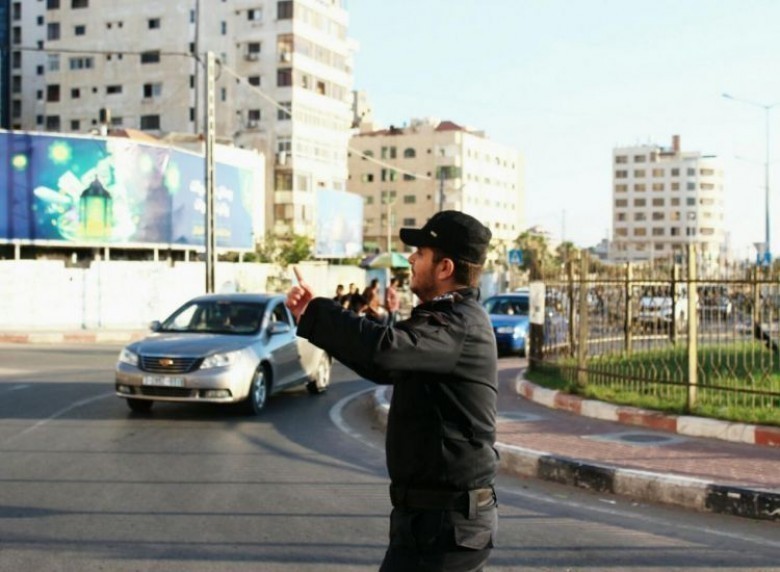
95,211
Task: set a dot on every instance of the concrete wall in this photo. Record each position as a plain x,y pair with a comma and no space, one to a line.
43,294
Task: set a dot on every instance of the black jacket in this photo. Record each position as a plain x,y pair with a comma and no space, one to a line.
442,364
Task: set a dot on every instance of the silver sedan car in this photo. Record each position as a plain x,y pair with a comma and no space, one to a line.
221,348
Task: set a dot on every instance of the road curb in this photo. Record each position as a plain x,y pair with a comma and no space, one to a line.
698,494
681,424
75,337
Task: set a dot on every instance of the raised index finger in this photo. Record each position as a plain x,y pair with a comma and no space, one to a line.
298,276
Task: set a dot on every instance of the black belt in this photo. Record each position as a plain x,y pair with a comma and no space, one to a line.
467,501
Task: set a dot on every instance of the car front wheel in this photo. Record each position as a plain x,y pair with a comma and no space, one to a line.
320,381
259,390
139,405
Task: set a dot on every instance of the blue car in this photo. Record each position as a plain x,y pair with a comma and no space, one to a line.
509,317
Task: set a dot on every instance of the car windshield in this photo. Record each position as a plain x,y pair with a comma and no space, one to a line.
216,317
515,306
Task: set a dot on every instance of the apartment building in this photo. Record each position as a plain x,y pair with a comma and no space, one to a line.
664,199
283,84
406,174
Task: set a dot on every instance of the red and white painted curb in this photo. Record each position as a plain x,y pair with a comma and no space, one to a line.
681,424
75,337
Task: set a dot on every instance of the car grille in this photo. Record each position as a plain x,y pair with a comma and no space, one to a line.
167,391
161,364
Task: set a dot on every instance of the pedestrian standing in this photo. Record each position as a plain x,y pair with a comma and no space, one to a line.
441,427
392,301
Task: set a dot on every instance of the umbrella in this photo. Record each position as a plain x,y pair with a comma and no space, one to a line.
389,260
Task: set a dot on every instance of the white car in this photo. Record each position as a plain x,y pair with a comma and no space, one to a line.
221,348
658,312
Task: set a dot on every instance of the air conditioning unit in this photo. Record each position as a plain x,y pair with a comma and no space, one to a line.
285,56
252,123
281,158
253,56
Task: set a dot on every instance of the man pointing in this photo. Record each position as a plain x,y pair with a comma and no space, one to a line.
442,365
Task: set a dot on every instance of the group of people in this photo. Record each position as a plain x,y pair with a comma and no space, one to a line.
367,303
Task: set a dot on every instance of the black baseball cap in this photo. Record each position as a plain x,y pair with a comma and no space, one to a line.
457,234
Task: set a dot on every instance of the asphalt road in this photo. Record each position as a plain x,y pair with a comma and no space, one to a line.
86,485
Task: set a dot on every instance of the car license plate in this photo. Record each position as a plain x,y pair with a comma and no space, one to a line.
163,381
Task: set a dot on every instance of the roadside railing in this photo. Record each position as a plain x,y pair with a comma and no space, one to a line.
675,336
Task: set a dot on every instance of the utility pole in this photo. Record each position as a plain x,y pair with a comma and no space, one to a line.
196,63
210,116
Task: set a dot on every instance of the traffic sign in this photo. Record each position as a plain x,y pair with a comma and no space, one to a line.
515,257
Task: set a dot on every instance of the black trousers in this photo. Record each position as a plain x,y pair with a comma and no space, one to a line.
439,540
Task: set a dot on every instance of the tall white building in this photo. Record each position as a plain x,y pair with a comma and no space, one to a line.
664,199
283,84
430,166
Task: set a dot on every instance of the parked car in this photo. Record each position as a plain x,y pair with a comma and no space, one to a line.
221,348
509,315
510,320
657,312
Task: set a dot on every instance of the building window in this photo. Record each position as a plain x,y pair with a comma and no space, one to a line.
113,89
254,80
621,159
409,153
640,158
410,199
658,172
150,57
621,174
690,201
389,175
639,173
283,77
621,188
640,216
408,177
367,177
84,63
53,62
691,172
16,60
675,172
53,92
640,231
690,185
658,202
153,23
640,187
152,90
620,217
75,125
675,186
150,122
388,153
79,30
621,203
53,123
254,15
79,3
253,115
658,231
223,28
253,50
410,222
285,113
284,10
658,215
53,31
75,93
52,4
640,202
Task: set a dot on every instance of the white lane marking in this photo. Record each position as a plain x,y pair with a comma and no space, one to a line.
57,414
338,420
15,387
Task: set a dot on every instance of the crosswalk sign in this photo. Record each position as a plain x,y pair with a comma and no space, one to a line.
516,257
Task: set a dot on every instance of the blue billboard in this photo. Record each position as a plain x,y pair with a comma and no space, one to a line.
117,191
339,225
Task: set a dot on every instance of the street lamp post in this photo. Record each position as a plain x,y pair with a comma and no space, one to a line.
767,254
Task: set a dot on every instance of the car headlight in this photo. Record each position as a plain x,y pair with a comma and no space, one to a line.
220,360
128,357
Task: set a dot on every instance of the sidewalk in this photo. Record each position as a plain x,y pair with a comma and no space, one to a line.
641,462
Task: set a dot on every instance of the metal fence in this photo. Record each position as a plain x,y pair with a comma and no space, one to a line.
673,334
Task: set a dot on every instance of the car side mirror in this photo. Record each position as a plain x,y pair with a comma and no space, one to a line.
155,326
278,328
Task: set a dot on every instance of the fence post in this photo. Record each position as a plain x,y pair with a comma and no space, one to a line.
628,314
756,304
570,293
582,342
693,372
536,338
673,333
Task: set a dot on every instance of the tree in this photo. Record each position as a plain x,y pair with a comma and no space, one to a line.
285,250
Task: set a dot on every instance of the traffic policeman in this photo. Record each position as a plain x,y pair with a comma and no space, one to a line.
441,425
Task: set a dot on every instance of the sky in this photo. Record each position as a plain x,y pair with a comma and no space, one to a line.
566,81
